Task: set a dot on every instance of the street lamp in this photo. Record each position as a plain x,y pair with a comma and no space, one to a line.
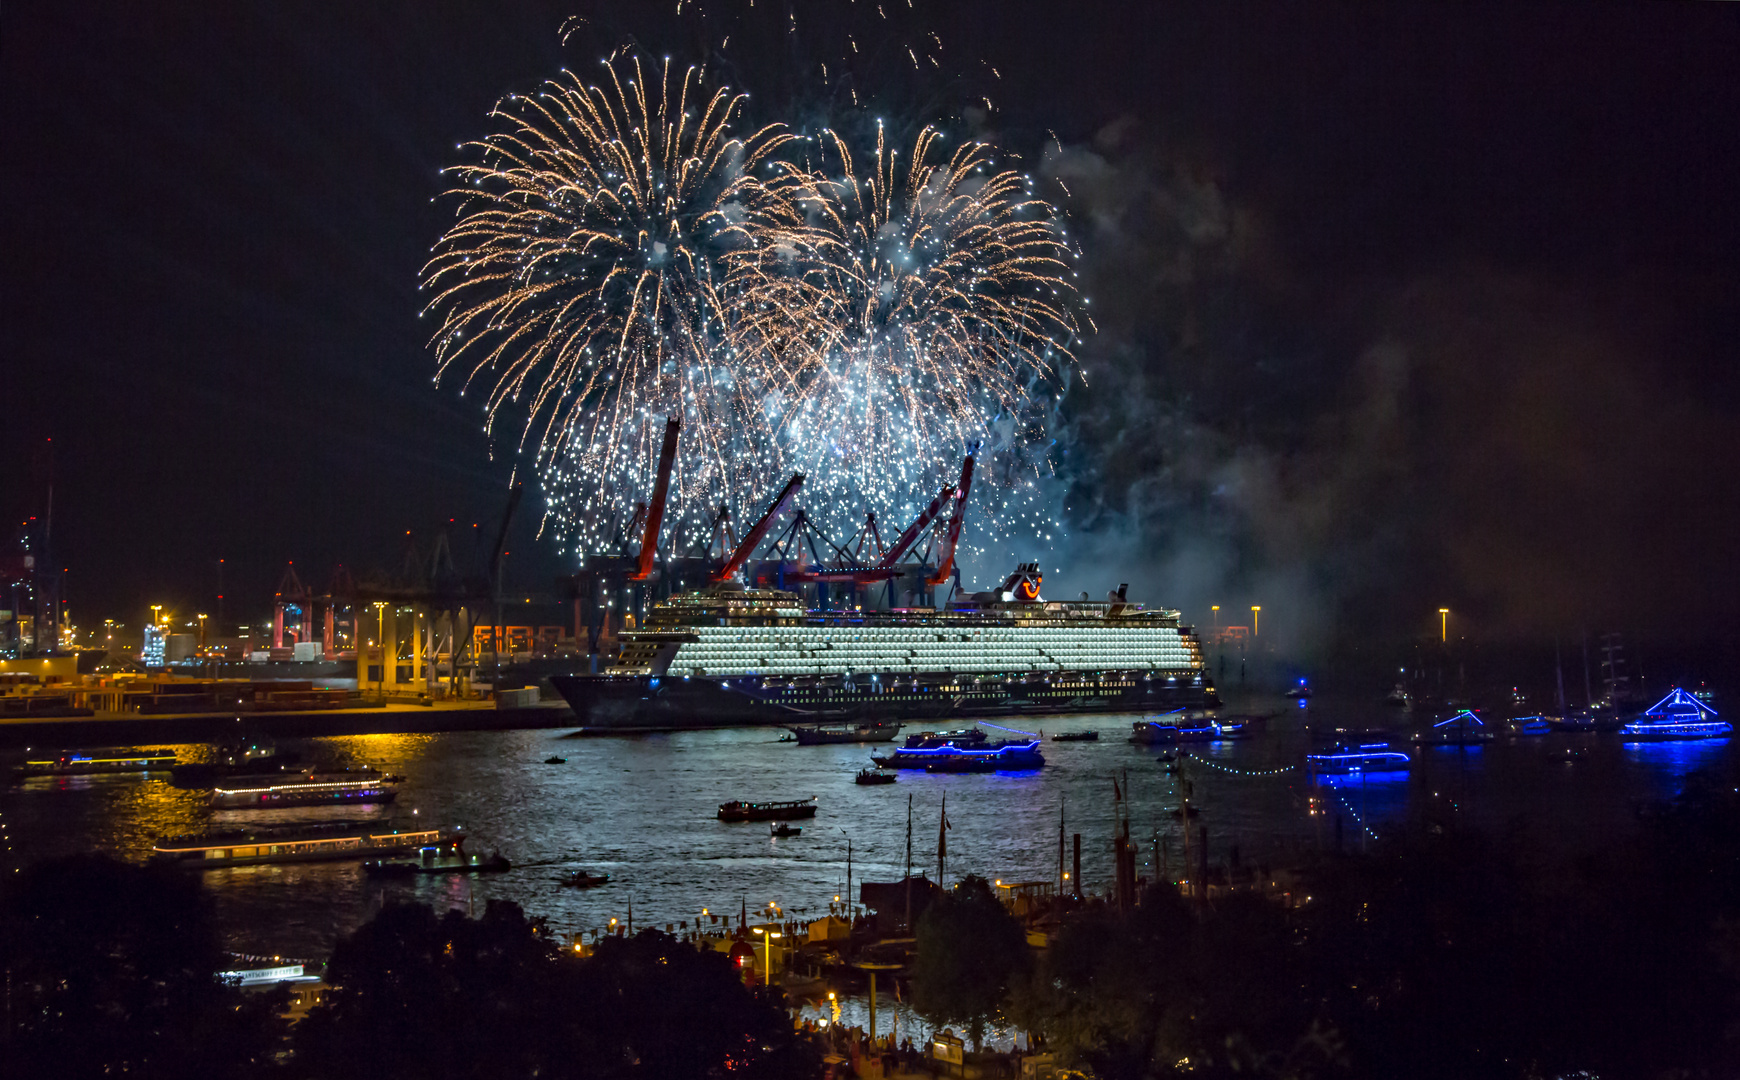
1216,610
1256,615
767,955
1444,624
381,637
202,632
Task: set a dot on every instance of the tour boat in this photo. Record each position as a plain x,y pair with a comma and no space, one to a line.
308,789
72,763
253,847
964,751
789,810
1363,759
1678,716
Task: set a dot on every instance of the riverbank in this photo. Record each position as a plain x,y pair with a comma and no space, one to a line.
390,718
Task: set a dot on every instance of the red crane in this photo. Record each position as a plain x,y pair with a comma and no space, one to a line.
752,539
655,512
945,559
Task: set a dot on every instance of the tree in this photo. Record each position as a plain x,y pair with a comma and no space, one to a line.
421,995
113,969
971,952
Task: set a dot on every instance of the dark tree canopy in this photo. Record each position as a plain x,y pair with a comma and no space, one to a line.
971,952
421,995
112,968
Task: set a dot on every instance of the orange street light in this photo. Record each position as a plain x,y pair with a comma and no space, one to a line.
1444,624
1256,615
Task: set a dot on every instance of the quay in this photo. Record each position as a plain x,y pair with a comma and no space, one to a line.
393,717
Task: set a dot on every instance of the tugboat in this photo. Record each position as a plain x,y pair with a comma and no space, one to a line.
782,829
554,760
790,810
869,777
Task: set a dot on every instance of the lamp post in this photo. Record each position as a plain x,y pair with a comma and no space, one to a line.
1256,615
767,954
201,632
381,640
1444,625
1216,609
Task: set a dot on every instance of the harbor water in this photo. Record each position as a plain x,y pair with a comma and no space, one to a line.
641,809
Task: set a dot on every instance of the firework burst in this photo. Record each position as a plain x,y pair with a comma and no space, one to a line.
591,274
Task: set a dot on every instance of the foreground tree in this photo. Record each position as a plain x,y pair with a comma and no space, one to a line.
112,969
421,995
971,952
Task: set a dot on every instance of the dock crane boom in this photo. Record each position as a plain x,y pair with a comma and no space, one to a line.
655,511
752,539
906,539
945,560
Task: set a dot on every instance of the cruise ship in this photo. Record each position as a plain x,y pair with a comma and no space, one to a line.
729,655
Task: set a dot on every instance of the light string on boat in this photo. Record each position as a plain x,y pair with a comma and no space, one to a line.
1012,731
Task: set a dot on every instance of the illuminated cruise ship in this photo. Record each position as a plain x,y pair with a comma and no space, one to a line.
728,655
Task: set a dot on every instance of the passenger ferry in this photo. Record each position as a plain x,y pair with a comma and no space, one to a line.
1678,716
308,844
963,751
789,810
71,763
311,789
728,655
1367,759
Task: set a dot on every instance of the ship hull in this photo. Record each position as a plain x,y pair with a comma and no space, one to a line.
607,703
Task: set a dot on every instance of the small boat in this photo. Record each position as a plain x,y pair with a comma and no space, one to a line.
782,829
1300,691
580,879
874,776
789,810
1077,736
788,737
431,863
554,760
1461,729
1531,726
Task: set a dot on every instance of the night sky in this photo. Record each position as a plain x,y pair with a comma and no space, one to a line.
1401,305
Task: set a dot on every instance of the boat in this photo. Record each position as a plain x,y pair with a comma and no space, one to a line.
782,829
1363,759
308,789
1077,736
969,750
874,776
554,760
1162,733
869,731
580,879
1678,716
731,655
789,810
1531,725
97,762
430,861
321,843
1463,728
1300,691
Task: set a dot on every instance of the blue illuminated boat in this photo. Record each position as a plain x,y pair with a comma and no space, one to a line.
1167,731
1531,725
964,751
1367,759
1462,729
1678,716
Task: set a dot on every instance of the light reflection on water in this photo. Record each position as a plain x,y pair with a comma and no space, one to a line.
641,809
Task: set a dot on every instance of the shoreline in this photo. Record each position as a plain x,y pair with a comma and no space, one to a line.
72,732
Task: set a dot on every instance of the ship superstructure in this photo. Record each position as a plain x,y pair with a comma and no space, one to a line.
729,655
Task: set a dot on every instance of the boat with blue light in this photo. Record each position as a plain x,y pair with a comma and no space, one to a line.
1463,728
1364,759
1165,731
1678,716
964,751
1531,725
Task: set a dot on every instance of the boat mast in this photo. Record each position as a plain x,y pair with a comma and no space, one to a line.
909,862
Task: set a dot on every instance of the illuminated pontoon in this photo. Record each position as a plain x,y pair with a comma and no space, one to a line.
337,789
1370,759
729,655
109,761
1678,716
317,844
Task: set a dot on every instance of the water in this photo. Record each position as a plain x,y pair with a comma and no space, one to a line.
641,809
